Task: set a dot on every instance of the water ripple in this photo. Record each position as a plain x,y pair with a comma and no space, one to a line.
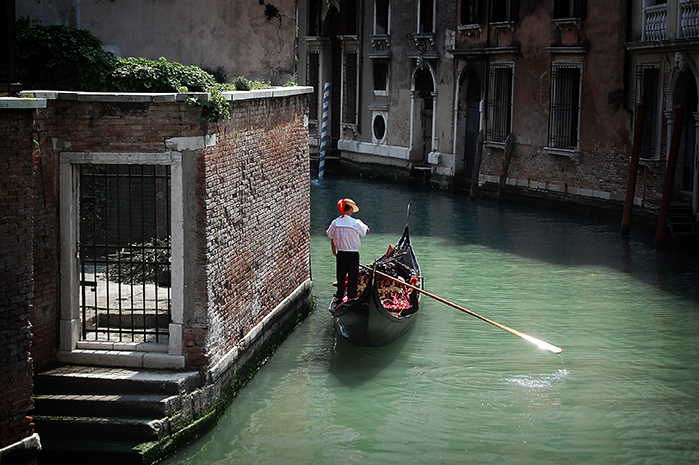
542,381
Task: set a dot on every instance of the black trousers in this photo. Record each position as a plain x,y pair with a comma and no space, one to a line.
347,267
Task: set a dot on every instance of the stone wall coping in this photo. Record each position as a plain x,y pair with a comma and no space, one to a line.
14,103
25,448
143,97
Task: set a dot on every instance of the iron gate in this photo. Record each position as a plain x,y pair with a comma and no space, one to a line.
125,252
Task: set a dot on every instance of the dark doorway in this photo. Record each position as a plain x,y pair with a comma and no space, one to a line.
686,92
470,98
422,114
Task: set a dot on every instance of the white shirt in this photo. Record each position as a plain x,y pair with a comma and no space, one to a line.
345,232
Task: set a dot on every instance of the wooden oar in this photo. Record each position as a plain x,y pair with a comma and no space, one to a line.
533,340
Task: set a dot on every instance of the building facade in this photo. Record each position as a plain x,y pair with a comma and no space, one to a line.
524,93
664,52
390,81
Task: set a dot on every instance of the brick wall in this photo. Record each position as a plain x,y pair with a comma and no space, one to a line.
248,207
16,268
255,188
46,246
247,210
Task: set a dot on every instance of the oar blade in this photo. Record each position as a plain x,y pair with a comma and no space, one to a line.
542,344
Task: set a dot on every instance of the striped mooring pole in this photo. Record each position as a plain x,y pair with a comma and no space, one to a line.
324,130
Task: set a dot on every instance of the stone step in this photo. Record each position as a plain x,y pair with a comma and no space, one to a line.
97,428
83,452
100,380
112,405
101,415
683,227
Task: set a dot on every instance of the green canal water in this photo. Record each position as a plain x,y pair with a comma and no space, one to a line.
457,390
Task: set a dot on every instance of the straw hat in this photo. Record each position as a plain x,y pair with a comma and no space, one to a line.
344,202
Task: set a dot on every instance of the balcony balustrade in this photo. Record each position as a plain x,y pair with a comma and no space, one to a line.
655,23
661,23
689,20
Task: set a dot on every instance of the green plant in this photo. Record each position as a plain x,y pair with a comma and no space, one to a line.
241,83
65,58
214,108
257,84
219,73
139,263
142,75
62,58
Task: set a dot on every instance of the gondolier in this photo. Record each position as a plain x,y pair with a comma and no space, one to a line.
385,307
345,233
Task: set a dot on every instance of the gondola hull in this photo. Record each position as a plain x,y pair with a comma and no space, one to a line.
370,321
368,325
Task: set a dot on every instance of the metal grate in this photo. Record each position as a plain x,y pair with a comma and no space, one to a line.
313,80
124,252
349,97
499,103
564,112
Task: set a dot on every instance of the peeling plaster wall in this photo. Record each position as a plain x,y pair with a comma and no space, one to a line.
235,36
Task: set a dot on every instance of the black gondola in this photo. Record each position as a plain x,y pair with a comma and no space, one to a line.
383,310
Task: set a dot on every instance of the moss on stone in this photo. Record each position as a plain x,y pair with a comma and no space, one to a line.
155,451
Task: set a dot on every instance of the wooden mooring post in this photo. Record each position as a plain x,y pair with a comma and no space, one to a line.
477,164
507,156
633,166
670,174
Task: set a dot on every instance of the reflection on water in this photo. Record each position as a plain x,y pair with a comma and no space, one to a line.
539,381
457,390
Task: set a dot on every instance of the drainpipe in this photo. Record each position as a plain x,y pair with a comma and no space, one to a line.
670,174
633,167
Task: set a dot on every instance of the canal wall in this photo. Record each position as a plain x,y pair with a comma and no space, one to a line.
241,207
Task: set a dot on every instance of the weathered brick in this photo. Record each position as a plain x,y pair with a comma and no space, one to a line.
245,237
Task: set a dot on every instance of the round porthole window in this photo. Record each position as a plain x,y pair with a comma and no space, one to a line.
379,127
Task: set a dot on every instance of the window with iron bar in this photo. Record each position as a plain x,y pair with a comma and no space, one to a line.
313,79
499,102
349,91
564,108
124,251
